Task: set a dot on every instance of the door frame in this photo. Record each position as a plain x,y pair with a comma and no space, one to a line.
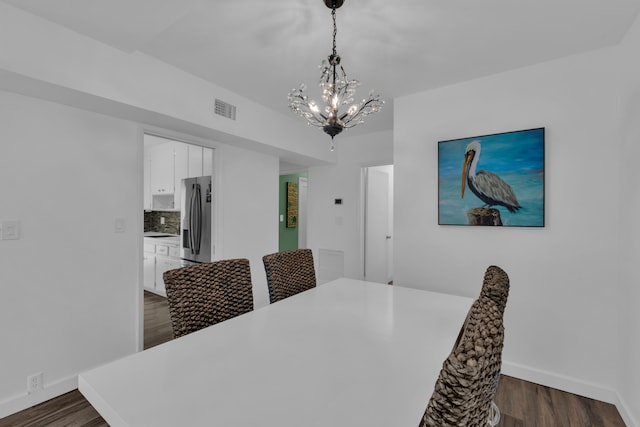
364,182
216,224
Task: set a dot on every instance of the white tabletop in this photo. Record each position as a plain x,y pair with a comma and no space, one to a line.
347,353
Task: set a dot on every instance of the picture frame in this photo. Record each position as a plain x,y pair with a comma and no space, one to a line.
292,205
495,179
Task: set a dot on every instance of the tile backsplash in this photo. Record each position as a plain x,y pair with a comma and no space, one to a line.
153,219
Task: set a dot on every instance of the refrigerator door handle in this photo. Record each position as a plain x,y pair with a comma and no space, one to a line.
197,211
191,219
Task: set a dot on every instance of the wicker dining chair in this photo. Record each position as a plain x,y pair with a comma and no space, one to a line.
205,294
289,273
464,392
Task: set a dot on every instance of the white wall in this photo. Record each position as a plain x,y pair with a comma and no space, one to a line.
70,284
629,296
338,227
249,217
562,316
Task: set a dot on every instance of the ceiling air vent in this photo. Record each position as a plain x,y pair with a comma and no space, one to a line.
225,110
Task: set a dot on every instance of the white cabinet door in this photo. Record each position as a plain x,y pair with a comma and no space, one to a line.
207,161
195,161
149,271
162,173
147,183
180,171
164,264
200,161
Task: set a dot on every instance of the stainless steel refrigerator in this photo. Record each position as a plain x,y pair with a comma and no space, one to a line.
195,219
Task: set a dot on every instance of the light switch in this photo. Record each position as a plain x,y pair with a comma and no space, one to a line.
10,230
119,225
281,218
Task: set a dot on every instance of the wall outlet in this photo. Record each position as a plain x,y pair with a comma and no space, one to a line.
34,382
162,220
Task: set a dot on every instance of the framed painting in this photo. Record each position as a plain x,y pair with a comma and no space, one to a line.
292,205
493,179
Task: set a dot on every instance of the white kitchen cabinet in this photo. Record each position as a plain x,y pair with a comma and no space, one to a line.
149,271
149,265
160,255
181,165
195,161
147,183
200,161
163,264
166,165
162,176
207,161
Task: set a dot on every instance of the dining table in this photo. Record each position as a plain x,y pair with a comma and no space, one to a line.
346,353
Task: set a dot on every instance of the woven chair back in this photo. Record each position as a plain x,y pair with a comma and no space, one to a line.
289,273
205,294
467,383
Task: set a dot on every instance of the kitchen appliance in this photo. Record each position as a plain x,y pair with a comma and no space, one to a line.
195,219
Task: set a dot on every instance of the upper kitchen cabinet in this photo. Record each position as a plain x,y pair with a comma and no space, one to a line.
147,183
207,161
181,167
200,161
166,164
162,173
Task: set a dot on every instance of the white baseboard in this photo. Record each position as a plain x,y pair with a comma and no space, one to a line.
628,419
560,382
571,385
24,401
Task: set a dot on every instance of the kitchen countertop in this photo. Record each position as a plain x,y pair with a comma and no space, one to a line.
172,239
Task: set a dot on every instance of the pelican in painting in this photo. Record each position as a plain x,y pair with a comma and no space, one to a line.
488,186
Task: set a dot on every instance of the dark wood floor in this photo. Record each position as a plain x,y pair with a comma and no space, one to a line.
522,404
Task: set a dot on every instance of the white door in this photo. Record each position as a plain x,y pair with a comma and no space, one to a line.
377,225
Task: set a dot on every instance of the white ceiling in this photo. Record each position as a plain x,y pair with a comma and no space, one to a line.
261,49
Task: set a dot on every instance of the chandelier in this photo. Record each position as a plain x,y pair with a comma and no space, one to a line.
337,91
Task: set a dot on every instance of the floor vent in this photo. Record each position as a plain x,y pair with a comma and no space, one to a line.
225,110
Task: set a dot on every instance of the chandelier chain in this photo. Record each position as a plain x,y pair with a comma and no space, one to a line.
335,29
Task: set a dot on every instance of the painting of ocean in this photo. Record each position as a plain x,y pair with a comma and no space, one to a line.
515,157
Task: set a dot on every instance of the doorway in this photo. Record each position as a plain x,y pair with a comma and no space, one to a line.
292,229
378,223
168,161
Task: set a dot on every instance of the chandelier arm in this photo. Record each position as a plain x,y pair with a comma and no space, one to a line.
363,111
